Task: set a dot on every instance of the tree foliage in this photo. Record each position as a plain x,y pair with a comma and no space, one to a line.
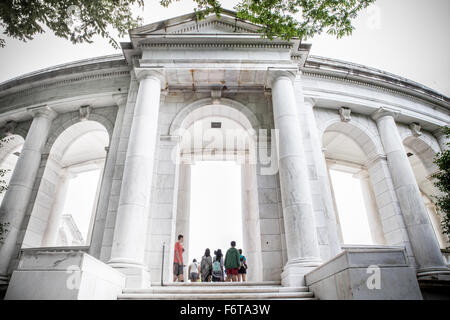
76,20
80,20
442,182
3,187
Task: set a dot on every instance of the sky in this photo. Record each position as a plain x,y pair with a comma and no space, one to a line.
405,37
215,213
351,210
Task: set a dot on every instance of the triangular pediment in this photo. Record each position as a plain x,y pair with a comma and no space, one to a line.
189,24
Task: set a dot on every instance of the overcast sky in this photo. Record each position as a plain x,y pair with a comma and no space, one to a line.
407,37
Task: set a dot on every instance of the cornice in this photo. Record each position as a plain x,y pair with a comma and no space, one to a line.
29,89
166,44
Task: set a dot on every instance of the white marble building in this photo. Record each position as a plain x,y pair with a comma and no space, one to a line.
144,116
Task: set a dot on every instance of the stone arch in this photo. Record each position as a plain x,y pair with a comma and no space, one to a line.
64,121
50,178
361,132
424,147
10,145
367,140
242,115
180,117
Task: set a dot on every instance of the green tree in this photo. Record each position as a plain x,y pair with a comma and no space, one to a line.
3,187
80,20
442,182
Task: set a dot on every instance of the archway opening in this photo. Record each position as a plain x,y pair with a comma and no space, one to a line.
355,202
66,201
217,189
351,208
421,155
216,213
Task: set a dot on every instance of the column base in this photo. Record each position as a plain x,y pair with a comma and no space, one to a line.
439,273
137,275
294,271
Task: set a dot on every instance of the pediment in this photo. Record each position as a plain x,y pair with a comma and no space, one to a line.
188,24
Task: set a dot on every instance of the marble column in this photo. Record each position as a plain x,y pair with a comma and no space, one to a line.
423,241
51,233
108,173
323,178
16,199
373,217
128,247
250,222
95,204
299,221
182,225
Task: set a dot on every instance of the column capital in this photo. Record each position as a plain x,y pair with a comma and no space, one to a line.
370,162
42,111
384,112
120,99
151,73
310,101
276,73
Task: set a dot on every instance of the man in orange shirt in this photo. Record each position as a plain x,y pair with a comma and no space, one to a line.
178,260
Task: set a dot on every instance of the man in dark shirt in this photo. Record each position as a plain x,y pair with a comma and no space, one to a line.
232,262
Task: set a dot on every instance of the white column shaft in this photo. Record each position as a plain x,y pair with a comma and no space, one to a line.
16,199
324,181
51,232
102,208
299,222
420,231
131,222
373,217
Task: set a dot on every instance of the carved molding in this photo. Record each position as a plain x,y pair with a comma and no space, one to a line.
345,114
415,129
85,112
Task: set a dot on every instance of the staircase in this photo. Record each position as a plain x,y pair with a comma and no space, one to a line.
218,291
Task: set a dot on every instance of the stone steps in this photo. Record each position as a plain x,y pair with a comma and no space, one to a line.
217,291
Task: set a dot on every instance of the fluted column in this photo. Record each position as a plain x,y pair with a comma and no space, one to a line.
128,247
108,173
16,199
299,223
51,232
423,241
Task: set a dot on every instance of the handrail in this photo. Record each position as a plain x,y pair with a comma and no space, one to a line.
162,264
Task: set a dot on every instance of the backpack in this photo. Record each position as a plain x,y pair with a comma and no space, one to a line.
216,266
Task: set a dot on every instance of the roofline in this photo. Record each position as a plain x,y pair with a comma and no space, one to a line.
188,16
314,64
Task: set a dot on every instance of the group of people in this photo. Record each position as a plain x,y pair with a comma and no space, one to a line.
233,266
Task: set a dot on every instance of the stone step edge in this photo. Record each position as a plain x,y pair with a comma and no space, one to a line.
216,290
195,284
229,296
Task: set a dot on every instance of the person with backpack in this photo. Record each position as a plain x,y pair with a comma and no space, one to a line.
232,262
217,269
193,271
206,267
242,272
